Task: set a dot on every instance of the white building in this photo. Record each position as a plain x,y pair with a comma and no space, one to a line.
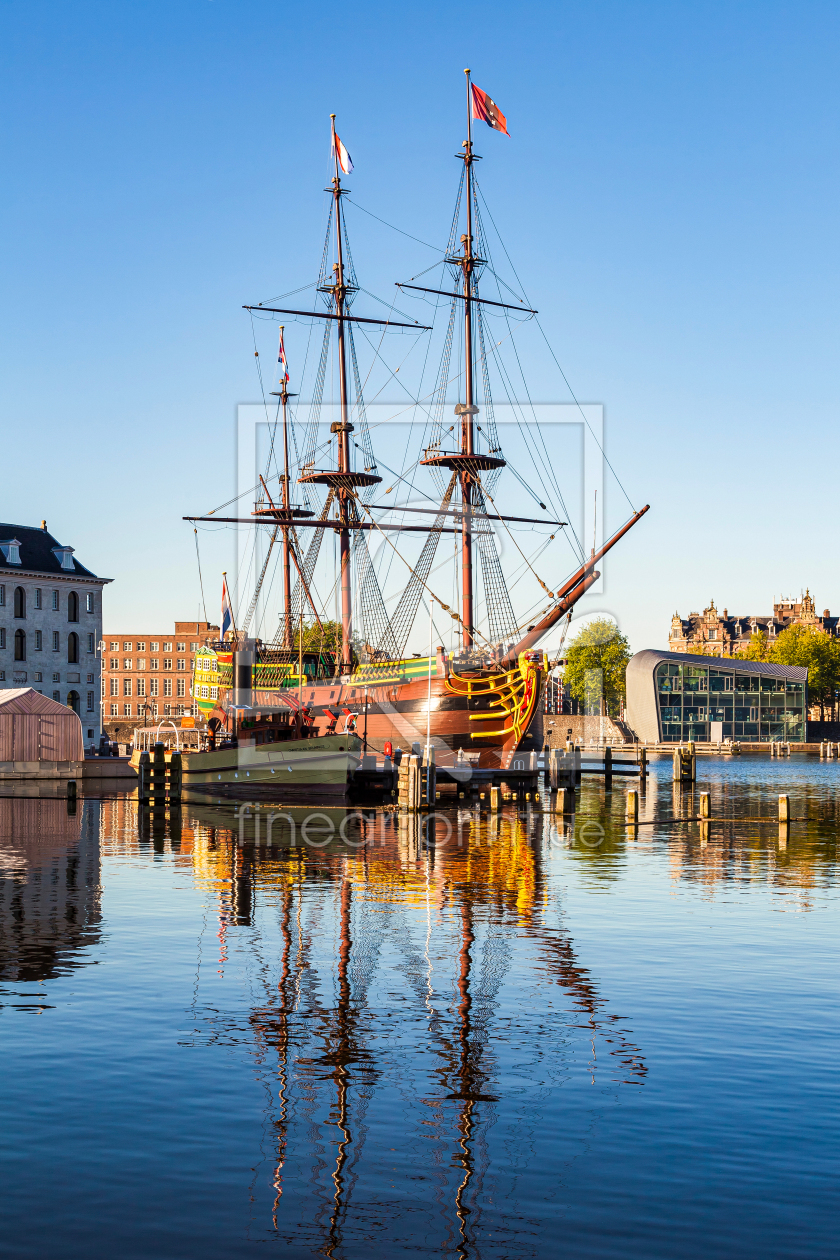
50,622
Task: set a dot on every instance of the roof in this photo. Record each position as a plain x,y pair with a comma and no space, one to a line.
36,553
646,660
28,700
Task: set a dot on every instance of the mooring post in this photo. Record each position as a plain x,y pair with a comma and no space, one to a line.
608,765
143,776
565,802
495,798
632,812
643,763
175,771
159,775
705,804
784,808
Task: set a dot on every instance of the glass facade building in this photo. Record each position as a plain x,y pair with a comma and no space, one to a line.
675,696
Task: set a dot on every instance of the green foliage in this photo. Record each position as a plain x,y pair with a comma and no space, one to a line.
817,651
701,649
323,638
758,648
596,663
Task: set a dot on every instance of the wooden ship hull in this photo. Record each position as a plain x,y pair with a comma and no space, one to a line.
484,717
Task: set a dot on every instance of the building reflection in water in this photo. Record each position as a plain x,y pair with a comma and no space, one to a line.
49,886
433,914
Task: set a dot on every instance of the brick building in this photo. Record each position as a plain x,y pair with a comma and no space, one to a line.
723,635
147,676
50,622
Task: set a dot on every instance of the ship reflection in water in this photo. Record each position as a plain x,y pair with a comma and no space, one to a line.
419,1007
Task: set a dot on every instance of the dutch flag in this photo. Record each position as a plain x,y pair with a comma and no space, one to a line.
227,610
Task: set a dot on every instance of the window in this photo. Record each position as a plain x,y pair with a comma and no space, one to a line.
712,635
73,648
3,676
39,678
153,686
90,702
56,677
167,662
115,708
20,645
154,647
72,606
2,596
20,601
2,637
167,685
126,686
167,647
181,663
205,693
11,550
141,686
56,641
89,602
167,710
39,641
55,601
214,693
141,662
89,678
113,664
153,664
57,696
193,647
126,710
182,687
115,686
91,643
37,597
181,647
141,646
65,558
127,663
115,647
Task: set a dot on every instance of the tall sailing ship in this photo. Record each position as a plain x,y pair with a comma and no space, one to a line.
476,704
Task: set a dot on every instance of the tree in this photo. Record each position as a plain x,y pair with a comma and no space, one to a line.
323,638
758,648
596,663
818,652
701,649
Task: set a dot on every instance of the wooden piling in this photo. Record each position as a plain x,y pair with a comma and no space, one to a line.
705,804
632,812
784,808
175,772
144,771
495,795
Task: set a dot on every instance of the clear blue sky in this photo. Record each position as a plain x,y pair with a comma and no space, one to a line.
669,196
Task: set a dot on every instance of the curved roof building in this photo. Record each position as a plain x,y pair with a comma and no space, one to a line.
675,696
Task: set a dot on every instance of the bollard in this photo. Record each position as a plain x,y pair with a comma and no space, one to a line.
71,787
772,748
175,771
495,803
608,763
643,763
784,808
705,804
632,806
822,750
143,777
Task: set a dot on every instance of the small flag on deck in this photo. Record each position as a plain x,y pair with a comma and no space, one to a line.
227,611
486,110
281,359
340,152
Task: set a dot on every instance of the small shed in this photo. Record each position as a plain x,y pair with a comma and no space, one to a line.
34,728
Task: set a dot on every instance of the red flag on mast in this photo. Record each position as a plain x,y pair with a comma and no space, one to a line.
486,110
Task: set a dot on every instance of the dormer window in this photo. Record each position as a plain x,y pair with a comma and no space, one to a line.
64,555
11,550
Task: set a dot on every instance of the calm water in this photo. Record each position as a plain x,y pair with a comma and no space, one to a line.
513,1042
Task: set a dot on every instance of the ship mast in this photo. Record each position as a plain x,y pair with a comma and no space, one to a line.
343,429
287,503
468,410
